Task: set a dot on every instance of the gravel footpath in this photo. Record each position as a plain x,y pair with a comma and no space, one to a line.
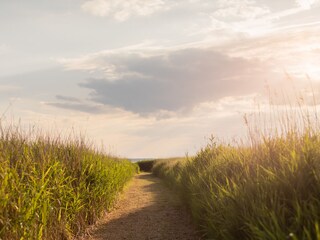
147,210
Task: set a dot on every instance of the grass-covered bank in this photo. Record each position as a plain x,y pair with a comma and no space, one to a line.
53,189
268,189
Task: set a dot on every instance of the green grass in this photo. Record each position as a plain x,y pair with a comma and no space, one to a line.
54,189
268,189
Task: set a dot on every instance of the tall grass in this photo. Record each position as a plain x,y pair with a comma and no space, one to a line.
269,189
53,189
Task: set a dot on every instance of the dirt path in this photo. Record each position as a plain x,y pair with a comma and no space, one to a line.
147,210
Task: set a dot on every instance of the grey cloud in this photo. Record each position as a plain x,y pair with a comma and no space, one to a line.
81,107
176,80
68,99
72,103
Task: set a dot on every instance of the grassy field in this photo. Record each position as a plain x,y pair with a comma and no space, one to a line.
268,189
54,189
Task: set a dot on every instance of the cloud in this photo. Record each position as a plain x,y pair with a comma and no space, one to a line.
239,9
122,10
249,18
175,80
76,104
306,4
66,98
81,107
280,42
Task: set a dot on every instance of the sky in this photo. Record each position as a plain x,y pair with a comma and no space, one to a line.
152,78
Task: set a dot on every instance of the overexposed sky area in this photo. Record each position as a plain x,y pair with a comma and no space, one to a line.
152,78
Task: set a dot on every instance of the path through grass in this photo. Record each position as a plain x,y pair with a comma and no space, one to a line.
147,210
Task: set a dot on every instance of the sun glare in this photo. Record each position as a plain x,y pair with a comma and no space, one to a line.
303,69
312,70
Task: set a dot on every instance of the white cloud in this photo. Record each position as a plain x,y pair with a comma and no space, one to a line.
100,65
90,64
95,63
230,19
244,9
306,4
122,10
277,47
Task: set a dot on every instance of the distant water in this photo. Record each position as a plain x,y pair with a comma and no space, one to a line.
139,159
